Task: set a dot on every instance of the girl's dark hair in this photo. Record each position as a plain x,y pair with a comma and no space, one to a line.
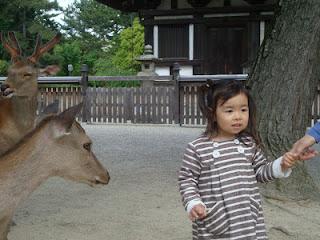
216,92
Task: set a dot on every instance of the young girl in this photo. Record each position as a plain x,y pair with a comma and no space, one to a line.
220,170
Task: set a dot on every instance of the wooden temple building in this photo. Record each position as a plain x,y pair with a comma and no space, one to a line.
204,36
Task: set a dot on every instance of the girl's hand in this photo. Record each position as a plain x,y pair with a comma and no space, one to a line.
288,160
197,212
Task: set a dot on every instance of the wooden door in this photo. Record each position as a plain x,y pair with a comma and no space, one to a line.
226,50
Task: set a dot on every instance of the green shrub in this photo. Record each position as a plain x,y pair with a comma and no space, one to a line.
4,65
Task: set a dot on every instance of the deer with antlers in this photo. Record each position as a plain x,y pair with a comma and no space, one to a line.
18,99
58,146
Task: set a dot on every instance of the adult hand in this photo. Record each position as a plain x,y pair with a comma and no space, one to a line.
302,144
308,153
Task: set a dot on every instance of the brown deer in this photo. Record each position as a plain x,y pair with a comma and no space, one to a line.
58,146
49,70
18,101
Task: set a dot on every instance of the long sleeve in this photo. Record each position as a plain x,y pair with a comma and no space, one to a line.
267,171
189,175
315,132
262,167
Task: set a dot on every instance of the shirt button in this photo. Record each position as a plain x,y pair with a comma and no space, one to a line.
216,154
215,144
240,150
236,141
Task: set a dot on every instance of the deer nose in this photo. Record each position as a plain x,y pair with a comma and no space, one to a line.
6,90
103,179
4,86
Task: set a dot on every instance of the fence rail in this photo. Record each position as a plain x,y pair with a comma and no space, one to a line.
171,99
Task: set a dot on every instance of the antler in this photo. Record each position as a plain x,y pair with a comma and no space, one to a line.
40,50
14,50
14,41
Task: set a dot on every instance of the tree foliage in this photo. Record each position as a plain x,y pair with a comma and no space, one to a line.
64,54
91,34
95,24
27,19
131,46
3,67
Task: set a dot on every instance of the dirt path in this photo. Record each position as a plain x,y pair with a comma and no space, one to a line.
141,202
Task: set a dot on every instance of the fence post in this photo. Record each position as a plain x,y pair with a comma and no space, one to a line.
84,87
176,77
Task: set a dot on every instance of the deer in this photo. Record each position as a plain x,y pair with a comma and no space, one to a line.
49,70
18,99
57,146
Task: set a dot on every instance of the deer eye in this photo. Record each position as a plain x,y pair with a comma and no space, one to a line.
87,146
27,75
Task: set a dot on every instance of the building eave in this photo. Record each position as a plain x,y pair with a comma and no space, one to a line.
136,5
131,5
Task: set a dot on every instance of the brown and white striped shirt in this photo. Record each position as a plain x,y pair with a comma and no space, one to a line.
223,176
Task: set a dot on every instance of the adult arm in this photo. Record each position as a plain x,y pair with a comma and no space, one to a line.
314,132
312,137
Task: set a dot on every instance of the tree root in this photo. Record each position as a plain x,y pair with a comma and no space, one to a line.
278,198
282,229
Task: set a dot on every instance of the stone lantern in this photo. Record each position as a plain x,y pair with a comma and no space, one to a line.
147,65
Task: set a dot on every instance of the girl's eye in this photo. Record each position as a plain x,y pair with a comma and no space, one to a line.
229,111
245,110
87,146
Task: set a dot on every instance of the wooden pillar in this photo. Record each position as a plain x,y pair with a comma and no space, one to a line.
84,87
176,77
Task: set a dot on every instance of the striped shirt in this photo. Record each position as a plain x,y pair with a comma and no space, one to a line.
224,176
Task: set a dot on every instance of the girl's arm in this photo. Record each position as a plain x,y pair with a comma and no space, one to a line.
188,178
267,171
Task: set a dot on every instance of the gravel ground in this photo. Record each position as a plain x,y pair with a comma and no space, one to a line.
142,200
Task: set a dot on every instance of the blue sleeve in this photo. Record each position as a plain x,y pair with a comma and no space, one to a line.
315,132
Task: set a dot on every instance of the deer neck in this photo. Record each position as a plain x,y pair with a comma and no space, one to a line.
24,111
22,170
17,117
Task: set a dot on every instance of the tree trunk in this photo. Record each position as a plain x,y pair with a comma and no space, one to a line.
284,83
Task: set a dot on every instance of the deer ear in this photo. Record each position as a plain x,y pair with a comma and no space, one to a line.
66,118
51,109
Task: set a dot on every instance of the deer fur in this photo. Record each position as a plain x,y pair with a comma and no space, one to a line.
18,101
58,146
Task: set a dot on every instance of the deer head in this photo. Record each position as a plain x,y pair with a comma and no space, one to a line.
69,141
23,74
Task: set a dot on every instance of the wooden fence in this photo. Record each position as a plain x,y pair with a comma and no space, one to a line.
133,105
171,99
128,105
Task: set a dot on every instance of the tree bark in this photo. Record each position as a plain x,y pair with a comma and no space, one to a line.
284,83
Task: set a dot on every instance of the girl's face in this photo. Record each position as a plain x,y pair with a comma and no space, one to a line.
232,116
